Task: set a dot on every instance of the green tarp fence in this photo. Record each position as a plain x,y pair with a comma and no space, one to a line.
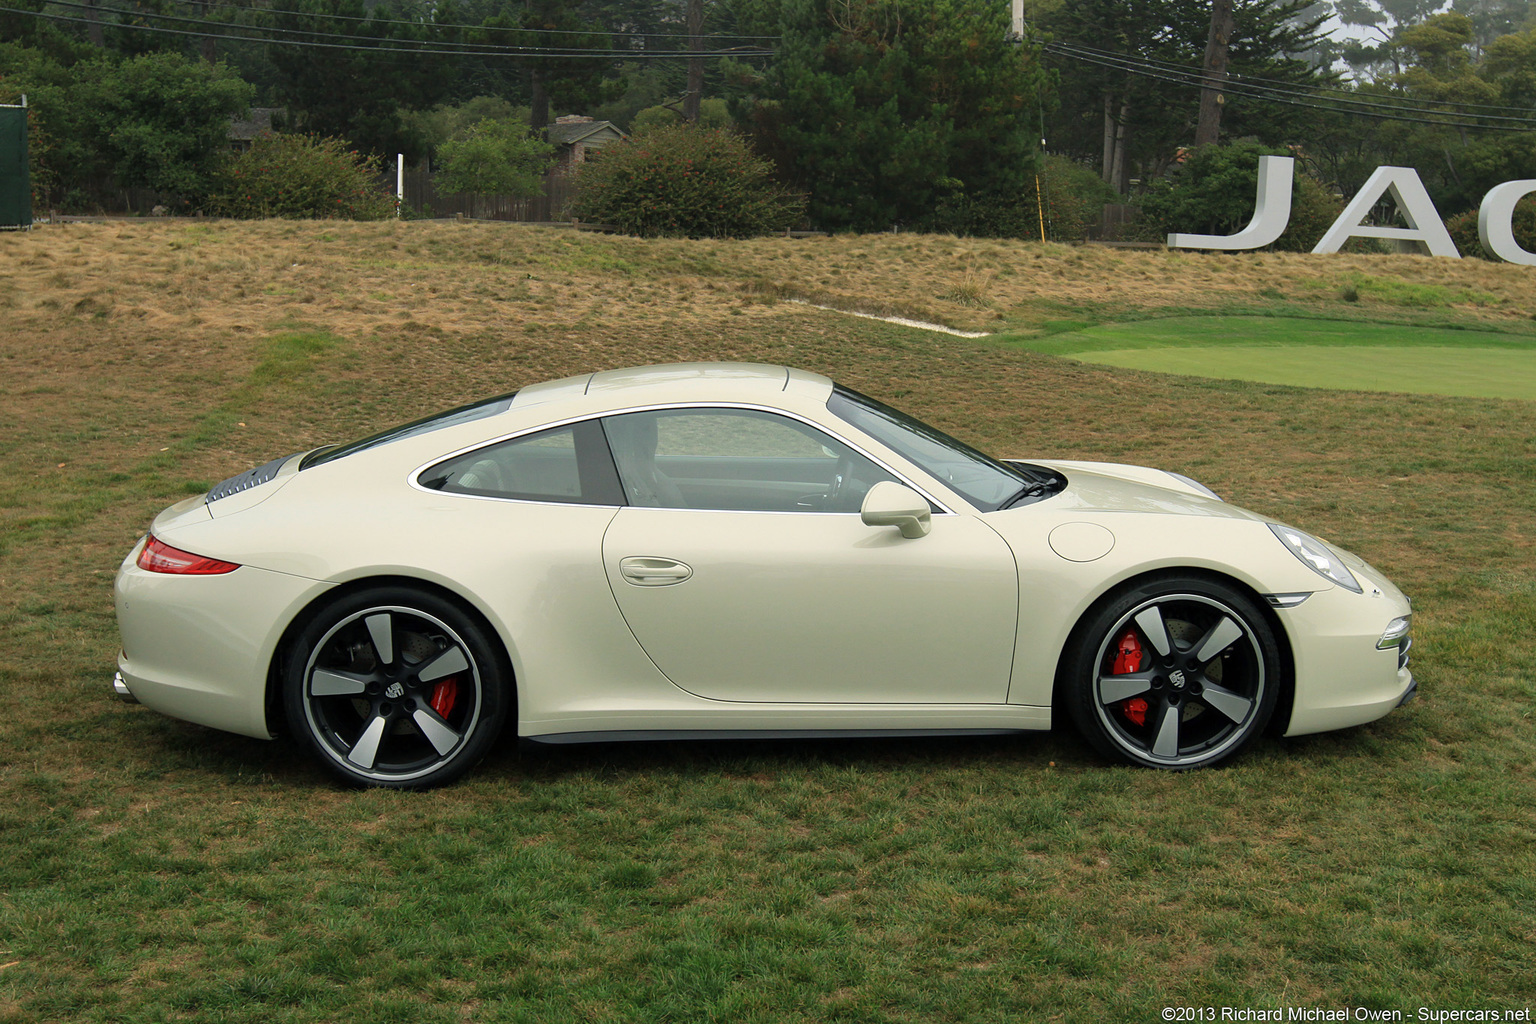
15,183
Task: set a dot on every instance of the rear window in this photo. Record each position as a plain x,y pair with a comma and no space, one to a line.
452,418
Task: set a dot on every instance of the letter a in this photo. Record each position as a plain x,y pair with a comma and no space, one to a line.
1496,221
1271,212
1424,224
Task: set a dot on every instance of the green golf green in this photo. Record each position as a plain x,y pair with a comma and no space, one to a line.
1314,353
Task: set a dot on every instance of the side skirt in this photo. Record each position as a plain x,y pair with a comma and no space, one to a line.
666,735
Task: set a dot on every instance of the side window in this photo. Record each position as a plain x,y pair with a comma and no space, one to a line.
736,460
566,464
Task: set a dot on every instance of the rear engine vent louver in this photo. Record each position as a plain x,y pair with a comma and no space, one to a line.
245,481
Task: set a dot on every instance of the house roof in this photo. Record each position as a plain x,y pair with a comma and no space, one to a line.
571,132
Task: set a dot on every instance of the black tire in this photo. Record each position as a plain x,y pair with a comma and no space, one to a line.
1204,681
395,687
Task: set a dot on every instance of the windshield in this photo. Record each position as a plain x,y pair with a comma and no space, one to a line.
980,479
451,418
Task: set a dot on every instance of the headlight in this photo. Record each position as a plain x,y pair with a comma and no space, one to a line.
1317,556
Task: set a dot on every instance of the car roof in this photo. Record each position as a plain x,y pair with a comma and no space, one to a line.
678,382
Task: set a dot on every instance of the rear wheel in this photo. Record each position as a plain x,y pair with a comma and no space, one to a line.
395,687
1175,673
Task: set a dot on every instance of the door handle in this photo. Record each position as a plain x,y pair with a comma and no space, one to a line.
646,571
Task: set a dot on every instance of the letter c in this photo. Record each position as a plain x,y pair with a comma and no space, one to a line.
1496,221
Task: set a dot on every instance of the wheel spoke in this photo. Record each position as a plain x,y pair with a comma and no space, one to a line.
325,683
1113,689
1151,622
366,750
1234,705
1222,635
438,732
1167,742
447,663
382,631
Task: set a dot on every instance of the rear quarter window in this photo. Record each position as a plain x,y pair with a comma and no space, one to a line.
566,464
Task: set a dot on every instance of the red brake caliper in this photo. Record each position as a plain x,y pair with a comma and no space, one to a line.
443,695
1128,659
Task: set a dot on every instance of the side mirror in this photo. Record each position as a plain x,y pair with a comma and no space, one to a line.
889,503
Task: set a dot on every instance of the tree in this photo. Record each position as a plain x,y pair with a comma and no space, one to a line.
357,94
498,156
161,118
1119,106
1493,18
882,109
153,121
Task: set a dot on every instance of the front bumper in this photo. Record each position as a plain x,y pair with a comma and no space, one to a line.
1345,675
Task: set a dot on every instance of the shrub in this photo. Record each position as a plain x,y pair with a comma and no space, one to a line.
1066,197
1463,229
300,177
685,180
494,156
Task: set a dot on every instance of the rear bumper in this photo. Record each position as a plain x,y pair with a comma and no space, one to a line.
199,648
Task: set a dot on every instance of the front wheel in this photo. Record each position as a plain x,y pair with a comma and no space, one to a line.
1175,673
395,687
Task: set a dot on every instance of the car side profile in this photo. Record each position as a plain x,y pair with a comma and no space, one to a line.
735,550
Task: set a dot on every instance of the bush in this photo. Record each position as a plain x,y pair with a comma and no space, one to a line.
685,181
1463,229
495,156
300,177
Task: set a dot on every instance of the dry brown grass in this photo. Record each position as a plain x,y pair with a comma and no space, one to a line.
230,278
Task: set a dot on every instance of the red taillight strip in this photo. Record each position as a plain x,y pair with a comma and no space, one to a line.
158,556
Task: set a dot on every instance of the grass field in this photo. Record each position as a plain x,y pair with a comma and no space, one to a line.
156,871
1348,355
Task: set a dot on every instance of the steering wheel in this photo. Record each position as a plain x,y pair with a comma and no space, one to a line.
841,477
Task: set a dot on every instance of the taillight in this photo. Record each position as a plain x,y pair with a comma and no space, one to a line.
158,556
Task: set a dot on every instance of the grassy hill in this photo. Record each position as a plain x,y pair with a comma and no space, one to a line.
152,870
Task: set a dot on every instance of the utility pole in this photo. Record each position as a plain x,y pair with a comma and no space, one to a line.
207,46
1211,97
93,23
695,93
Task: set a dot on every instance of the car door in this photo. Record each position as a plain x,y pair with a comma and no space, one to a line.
743,569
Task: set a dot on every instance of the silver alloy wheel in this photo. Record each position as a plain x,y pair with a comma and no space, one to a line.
398,693
1179,676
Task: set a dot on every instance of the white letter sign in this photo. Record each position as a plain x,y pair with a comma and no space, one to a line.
1496,221
1424,224
1271,212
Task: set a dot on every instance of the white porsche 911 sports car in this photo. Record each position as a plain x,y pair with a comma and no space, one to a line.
735,550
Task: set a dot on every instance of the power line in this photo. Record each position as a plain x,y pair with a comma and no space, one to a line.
1198,80
1257,81
221,26
545,31
388,45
